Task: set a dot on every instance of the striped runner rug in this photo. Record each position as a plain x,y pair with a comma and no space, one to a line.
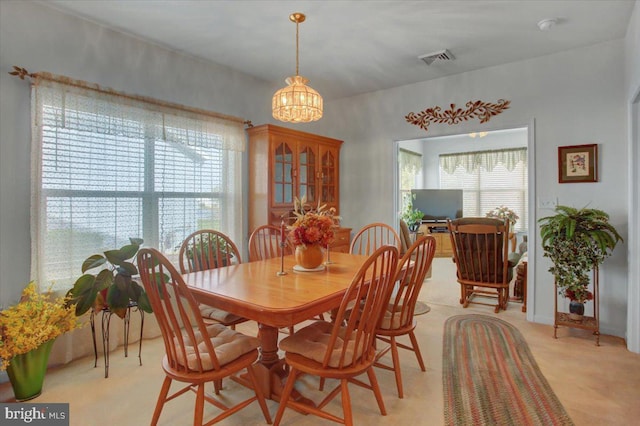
491,378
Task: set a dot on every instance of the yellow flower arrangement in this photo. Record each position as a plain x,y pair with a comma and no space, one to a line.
36,319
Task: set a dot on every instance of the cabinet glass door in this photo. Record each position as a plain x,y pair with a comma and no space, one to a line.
307,173
329,177
283,176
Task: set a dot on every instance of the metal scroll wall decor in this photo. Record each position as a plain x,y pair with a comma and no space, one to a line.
478,109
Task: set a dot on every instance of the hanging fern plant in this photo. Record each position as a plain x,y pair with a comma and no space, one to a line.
576,240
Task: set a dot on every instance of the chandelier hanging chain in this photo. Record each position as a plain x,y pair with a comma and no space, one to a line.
297,46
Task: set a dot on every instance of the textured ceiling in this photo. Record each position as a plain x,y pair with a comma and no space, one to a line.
353,47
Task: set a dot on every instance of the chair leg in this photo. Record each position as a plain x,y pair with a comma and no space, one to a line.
416,349
286,393
198,413
376,390
161,400
346,402
217,386
396,366
259,395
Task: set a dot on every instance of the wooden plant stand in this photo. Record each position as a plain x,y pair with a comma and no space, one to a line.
587,322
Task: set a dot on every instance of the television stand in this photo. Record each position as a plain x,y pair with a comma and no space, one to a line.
438,229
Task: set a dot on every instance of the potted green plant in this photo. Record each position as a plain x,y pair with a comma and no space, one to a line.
198,254
413,217
113,286
504,213
576,241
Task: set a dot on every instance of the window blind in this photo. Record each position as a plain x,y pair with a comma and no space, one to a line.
108,168
489,179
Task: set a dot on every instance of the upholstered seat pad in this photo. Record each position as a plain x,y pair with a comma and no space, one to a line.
218,314
228,345
312,342
393,319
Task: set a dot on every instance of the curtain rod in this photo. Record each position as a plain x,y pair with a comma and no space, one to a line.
22,73
517,148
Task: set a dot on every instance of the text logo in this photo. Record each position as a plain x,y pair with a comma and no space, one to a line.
54,414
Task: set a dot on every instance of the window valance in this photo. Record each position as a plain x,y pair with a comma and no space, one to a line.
471,161
410,161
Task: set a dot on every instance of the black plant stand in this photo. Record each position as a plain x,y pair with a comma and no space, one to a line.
106,320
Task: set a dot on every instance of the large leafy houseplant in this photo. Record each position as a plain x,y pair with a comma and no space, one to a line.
577,240
113,287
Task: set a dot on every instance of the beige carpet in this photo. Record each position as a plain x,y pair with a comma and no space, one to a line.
443,289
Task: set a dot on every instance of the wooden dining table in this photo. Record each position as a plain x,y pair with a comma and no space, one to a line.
257,291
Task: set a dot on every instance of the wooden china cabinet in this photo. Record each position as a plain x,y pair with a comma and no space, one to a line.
285,164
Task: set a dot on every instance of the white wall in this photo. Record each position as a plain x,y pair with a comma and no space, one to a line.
42,39
575,97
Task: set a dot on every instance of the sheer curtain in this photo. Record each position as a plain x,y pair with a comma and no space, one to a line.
410,169
489,179
107,167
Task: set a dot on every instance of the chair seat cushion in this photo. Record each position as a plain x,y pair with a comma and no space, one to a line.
393,319
228,345
312,342
219,315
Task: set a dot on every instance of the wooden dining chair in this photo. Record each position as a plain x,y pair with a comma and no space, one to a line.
196,353
481,254
264,243
343,349
397,317
210,249
373,236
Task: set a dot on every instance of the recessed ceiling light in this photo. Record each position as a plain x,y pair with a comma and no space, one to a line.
547,24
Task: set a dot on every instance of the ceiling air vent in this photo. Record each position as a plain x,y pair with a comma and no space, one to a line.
443,55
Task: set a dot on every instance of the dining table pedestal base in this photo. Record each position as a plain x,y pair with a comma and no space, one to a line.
271,370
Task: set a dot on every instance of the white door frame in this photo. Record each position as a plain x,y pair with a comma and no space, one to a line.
633,219
532,225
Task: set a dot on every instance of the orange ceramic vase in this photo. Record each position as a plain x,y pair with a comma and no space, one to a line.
309,257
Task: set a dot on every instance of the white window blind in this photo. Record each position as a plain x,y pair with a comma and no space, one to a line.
107,168
489,179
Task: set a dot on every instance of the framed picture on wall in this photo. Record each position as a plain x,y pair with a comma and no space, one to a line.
578,163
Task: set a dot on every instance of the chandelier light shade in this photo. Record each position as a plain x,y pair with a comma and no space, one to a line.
297,102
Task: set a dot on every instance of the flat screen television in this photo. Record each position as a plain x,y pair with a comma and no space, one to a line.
438,204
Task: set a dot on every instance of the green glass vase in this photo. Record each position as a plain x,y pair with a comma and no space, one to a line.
26,371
